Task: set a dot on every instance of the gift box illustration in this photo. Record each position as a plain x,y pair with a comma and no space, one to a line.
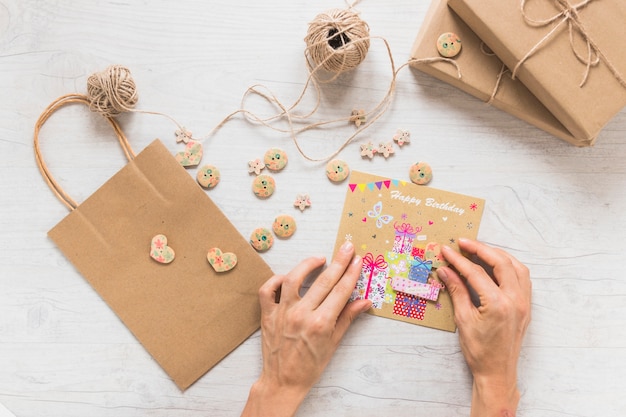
409,306
405,234
373,280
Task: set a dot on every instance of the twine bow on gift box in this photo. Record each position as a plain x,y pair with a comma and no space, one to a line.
374,265
569,14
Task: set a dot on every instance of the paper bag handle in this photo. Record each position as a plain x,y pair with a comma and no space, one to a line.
54,106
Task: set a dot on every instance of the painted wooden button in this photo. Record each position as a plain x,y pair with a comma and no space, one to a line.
255,166
386,149
433,253
261,239
284,226
402,136
192,154
275,159
263,186
159,251
302,201
208,176
449,44
337,170
421,173
221,261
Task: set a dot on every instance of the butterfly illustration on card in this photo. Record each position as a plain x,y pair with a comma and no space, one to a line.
376,213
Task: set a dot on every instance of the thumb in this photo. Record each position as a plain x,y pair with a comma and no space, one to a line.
350,312
457,289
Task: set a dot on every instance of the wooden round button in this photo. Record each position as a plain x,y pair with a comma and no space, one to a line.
421,173
275,159
263,186
284,226
337,170
208,176
261,239
449,45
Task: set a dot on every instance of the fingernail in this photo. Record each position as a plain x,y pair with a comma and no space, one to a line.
442,274
357,260
347,246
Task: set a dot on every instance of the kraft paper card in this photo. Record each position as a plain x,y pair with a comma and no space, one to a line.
564,52
398,228
482,74
187,315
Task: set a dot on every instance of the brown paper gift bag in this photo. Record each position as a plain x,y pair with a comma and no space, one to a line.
184,313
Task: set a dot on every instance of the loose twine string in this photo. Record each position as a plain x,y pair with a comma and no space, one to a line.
337,41
45,115
569,15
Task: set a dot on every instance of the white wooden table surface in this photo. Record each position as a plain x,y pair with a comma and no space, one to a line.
559,209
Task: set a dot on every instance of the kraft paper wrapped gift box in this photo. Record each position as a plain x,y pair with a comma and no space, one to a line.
480,72
567,52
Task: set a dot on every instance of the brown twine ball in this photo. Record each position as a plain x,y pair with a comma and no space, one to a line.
338,40
112,91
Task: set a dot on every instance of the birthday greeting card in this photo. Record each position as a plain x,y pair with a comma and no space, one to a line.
398,228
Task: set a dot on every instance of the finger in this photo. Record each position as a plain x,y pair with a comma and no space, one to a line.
522,272
336,300
459,293
327,280
499,261
269,291
292,283
350,312
474,274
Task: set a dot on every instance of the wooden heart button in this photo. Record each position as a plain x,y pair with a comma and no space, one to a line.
433,254
159,251
192,154
221,261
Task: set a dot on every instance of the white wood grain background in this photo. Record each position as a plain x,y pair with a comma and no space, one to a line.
559,209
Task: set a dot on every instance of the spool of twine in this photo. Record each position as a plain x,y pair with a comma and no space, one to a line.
112,91
337,40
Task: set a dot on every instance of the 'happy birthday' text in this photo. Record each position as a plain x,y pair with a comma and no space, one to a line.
430,202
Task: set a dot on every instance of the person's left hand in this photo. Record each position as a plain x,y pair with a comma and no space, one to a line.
300,334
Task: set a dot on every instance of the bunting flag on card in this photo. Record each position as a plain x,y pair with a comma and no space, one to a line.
376,185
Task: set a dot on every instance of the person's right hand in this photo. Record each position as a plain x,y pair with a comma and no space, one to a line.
300,334
491,334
